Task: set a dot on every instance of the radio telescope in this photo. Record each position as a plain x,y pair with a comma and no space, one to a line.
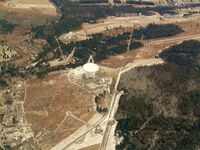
90,68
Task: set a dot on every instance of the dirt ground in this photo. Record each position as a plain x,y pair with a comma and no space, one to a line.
27,4
25,12
93,147
22,44
46,104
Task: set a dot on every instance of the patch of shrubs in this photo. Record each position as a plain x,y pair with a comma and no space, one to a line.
6,27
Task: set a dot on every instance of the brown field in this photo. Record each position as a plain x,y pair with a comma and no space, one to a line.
20,43
46,103
25,12
93,147
39,2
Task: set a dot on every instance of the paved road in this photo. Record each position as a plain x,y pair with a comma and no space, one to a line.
113,109
110,121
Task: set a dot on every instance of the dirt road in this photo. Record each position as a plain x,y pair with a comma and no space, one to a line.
176,39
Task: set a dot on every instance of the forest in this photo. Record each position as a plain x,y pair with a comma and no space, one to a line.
153,31
6,27
161,105
135,2
184,54
101,47
7,71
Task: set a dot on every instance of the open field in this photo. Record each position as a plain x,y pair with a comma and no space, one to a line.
25,12
22,44
46,103
27,4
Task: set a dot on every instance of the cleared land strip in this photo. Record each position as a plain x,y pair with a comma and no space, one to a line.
176,39
34,6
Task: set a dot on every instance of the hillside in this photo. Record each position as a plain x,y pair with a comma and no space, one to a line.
160,107
48,99
25,12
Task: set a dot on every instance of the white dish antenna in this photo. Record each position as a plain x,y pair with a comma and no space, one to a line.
90,67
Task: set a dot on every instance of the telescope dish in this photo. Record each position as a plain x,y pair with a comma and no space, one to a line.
90,67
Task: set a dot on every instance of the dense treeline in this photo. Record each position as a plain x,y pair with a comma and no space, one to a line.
135,45
134,2
6,27
7,71
165,100
153,31
100,47
139,2
184,54
3,82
